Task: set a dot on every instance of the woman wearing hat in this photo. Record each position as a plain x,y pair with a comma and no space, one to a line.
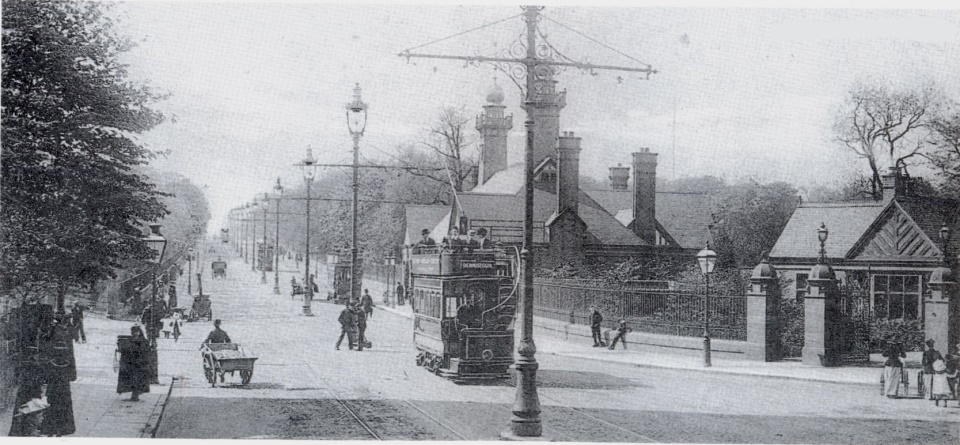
134,372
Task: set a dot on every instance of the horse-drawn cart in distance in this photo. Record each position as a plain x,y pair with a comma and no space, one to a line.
200,308
221,358
219,269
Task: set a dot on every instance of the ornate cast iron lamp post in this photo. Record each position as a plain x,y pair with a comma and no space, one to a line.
707,259
276,241
156,242
356,123
309,168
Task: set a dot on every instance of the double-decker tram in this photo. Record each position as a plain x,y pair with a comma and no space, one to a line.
464,304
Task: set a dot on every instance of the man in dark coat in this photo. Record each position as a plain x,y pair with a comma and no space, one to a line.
134,372
400,295
361,327
426,240
217,335
595,319
366,301
348,327
76,319
484,242
621,335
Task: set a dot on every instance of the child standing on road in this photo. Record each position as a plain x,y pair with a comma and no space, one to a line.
621,335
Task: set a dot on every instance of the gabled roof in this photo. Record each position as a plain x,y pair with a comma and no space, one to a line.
846,223
686,217
905,228
505,182
419,217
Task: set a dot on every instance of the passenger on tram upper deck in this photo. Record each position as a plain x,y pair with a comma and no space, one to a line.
453,240
472,242
426,241
483,241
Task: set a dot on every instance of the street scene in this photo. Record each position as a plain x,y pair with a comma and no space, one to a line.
479,223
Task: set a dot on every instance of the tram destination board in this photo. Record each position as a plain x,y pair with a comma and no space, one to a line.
454,264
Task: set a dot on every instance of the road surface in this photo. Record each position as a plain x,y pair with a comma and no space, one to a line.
303,388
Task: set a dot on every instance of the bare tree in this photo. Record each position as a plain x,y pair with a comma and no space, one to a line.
945,155
451,146
875,121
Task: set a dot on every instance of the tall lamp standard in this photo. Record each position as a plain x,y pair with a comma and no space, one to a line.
253,238
707,260
158,244
245,222
276,241
391,262
189,271
356,123
309,168
263,258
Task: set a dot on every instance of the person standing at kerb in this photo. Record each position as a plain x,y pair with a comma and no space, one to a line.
595,320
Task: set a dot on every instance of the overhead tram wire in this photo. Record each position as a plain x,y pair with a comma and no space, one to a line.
461,33
595,41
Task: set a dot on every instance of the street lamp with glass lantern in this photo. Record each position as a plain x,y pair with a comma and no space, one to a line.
276,241
309,168
707,259
158,244
356,123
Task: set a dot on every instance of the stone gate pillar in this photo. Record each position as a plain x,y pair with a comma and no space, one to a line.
941,311
763,314
821,323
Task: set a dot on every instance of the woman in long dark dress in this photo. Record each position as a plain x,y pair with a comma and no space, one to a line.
61,370
134,373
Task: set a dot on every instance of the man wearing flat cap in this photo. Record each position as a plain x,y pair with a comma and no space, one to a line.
217,335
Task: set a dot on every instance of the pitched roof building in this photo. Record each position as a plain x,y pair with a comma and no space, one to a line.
889,247
567,220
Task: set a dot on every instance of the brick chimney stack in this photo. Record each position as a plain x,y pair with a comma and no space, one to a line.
893,184
619,176
568,173
645,195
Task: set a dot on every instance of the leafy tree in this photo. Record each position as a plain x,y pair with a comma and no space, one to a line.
876,121
748,220
73,201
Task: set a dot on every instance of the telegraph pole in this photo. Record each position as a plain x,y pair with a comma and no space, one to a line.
525,422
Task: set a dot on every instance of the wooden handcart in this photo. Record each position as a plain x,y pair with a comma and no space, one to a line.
223,358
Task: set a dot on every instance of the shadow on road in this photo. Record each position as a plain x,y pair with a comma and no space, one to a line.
552,378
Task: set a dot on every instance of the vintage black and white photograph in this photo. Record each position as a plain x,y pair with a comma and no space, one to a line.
666,222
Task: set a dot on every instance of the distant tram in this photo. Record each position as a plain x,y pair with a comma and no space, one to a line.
464,306
224,236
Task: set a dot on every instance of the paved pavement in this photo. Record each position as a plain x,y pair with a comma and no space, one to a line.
101,412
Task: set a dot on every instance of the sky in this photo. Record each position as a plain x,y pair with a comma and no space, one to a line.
740,93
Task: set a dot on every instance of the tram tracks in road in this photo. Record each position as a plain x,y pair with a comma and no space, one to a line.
333,393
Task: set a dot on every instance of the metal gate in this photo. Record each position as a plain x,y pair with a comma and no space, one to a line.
855,321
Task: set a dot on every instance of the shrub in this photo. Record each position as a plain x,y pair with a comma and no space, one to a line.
791,327
907,332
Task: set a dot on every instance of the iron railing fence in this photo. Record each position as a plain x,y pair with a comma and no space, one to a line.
658,311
